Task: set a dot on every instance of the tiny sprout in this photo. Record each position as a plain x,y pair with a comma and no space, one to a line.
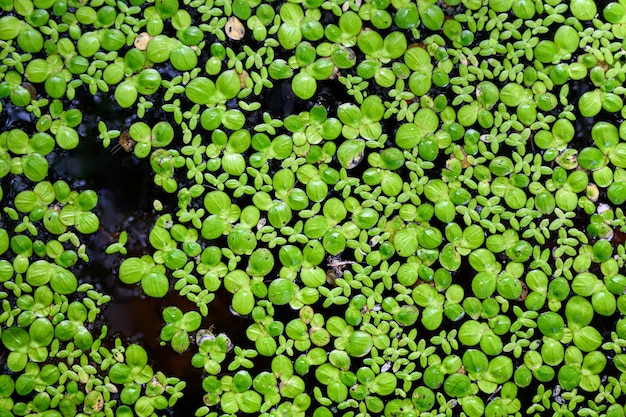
119,246
177,327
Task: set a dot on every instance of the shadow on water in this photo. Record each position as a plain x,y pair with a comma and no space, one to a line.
126,192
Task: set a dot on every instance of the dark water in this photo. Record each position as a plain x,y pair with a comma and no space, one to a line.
126,192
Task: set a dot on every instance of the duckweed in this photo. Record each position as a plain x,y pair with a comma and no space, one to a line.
404,208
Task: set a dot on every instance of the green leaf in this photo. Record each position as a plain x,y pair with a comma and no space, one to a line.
583,9
243,301
10,27
228,84
590,103
432,16
155,284
457,385
41,332
359,344
281,291
384,383
200,90
16,339
63,281
587,339
370,42
35,167
132,270
470,333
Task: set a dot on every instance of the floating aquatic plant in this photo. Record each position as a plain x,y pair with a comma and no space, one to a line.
406,205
